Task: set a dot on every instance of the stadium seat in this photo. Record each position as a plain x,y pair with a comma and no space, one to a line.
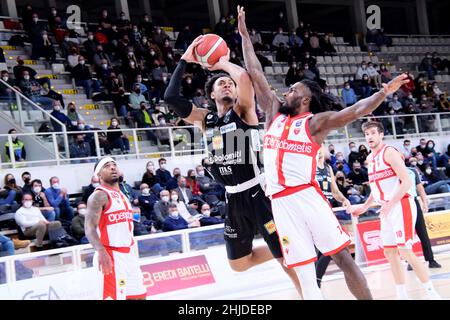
339,81
344,59
334,92
346,69
351,59
331,81
322,70
329,69
268,70
320,59
438,78
336,59
285,69
328,59
338,70
277,70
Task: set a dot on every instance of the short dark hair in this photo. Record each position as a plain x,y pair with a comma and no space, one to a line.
36,181
25,173
172,205
373,124
209,86
161,160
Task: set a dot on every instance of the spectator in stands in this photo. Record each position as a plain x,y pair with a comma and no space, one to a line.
83,78
73,115
427,65
7,195
348,95
222,28
365,86
161,208
159,36
332,154
406,149
17,148
116,91
19,69
144,88
40,200
358,176
48,51
294,40
282,53
235,59
80,149
144,120
327,47
314,44
136,98
35,35
363,153
72,58
58,198
163,135
385,74
362,70
147,201
354,154
308,74
207,185
191,183
341,164
185,37
173,182
279,38
7,94
47,92
374,76
436,90
149,176
88,190
26,178
27,17
32,90
186,212
90,45
159,79
255,38
77,225
117,139
147,25
56,113
443,103
175,222
423,148
10,183
162,174
395,103
128,191
32,222
294,75
434,181
206,219
184,192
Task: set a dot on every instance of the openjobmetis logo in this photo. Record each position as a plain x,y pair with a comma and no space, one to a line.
74,17
374,20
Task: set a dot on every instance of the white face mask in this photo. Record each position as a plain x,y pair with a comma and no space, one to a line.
82,62
174,214
414,163
353,149
27,204
5,78
201,173
82,212
91,37
114,123
174,197
146,191
207,212
163,122
428,171
105,66
340,158
37,189
26,77
95,185
165,198
55,186
430,145
163,165
420,162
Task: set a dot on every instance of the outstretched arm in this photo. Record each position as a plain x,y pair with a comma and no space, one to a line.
324,122
182,106
266,98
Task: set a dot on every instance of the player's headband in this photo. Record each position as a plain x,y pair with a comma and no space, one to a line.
98,167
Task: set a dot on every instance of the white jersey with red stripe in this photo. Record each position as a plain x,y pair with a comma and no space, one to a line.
289,153
383,180
116,221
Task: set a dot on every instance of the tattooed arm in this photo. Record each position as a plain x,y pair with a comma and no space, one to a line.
96,202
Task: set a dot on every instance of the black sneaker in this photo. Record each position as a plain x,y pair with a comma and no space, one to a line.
409,267
434,264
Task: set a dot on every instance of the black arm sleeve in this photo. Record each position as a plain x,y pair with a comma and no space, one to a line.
175,101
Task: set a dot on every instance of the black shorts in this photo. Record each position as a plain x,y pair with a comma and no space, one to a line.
248,212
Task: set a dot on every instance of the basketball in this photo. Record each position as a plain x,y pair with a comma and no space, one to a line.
210,50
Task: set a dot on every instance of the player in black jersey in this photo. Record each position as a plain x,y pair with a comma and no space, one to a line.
234,146
327,182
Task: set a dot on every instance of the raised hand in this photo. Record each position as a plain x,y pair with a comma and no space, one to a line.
241,21
395,84
189,55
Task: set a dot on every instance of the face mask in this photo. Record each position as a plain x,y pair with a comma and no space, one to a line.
428,171
174,197
353,149
430,145
82,212
37,189
114,124
105,66
14,137
420,162
82,62
56,186
340,167
152,53
132,64
91,38
332,151
27,204
5,78
122,17
138,91
163,166
81,126
150,168
413,164
340,179
163,122
35,20
136,216
27,180
207,212
174,214
183,185
144,41
26,77
169,56
340,158
12,181
357,170
201,173
45,36
95,185
347,87
189,81
223,20
146,191
165,198
58,108
72,109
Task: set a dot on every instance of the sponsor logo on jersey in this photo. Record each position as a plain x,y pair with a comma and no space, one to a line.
380,175
120,216
217,142
296,131
122,283
270,227
225,171
228,128
285,241
298,123
272,142
226,119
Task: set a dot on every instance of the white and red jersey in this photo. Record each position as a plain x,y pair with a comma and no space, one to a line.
383,180
116,221
289,153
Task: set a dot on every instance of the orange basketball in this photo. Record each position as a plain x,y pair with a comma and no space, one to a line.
210,50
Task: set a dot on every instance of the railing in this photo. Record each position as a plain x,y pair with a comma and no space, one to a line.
189,140
152,245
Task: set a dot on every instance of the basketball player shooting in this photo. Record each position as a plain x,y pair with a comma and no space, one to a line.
110,212
248,209
389,183
295,129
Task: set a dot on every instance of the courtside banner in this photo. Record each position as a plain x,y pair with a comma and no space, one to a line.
176,274
438,227
369,233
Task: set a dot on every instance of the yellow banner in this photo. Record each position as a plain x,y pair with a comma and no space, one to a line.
90,106
167,29
30,62
70,91
8,47
438,226
50,76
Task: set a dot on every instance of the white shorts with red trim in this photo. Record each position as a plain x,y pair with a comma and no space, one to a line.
304,219
126,280
397,228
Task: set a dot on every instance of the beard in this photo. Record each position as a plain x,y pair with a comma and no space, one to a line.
227,100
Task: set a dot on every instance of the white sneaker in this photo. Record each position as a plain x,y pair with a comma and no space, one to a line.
433,295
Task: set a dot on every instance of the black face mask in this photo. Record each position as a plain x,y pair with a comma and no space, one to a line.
27,180
72,110
12,181
80,141
414,154
340,179
120,179
340,167
357,170
332,151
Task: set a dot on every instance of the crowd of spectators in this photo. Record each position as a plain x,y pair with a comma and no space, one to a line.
161,201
